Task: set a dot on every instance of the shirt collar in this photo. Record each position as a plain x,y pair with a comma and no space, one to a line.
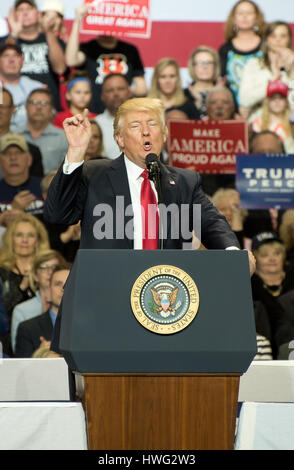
134,171
49,130
52,316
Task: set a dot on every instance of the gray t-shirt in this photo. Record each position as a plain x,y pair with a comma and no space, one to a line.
20,93
52,144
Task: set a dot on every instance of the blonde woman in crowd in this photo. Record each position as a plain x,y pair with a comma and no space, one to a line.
25,237
95,147
204,70
166,85
275,114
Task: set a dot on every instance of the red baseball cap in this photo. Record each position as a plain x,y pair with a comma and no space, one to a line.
277,86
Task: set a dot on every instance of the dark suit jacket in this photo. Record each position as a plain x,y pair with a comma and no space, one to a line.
73,197
29,332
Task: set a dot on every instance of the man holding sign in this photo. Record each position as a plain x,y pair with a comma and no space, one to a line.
102,56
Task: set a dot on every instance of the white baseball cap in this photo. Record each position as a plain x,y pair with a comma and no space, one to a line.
53,5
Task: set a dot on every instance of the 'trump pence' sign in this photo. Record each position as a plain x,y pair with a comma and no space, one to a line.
266,181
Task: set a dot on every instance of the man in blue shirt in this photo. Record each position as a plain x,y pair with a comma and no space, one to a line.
40,131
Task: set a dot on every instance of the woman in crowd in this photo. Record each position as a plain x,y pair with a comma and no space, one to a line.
275,114
277,63
78,97
287,236
52,13
39,280
244,30
167,86
204,70
95,147
227,201
25,237
22,241
270,281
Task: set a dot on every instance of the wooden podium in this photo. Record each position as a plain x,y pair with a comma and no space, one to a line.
147,391
161,412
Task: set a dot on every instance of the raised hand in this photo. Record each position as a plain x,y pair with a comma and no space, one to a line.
15,26
78,133
48,24
81,11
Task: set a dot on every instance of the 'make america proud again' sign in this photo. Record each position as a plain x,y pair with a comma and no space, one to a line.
208,147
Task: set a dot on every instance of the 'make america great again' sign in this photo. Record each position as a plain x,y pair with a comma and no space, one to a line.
121,18
207,147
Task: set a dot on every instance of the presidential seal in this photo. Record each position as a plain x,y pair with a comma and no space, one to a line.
164,299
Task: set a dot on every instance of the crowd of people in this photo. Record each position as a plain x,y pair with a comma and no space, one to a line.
47,75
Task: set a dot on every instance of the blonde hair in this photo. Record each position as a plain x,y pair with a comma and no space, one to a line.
179,96
227,193
261,250
214,55
230,31
265,117
139,105
7,256
219,195
39,259
100,147
285,229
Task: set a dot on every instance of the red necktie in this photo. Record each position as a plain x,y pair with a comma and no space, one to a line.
150,219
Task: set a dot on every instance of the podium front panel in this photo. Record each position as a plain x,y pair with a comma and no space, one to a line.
100,334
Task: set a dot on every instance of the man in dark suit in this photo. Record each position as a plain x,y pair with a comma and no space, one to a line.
82,191
107,195
37,332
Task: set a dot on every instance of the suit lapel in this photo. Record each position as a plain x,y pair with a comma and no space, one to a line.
169,189
46,325
169,185
120,185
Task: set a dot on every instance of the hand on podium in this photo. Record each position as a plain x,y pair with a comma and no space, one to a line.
252,262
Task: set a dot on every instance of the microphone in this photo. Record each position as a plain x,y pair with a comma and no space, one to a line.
152,164
153,167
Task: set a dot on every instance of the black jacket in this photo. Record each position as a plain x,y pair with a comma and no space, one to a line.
29,332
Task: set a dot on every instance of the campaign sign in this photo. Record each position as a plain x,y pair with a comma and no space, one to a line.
121,18
209,147
265,181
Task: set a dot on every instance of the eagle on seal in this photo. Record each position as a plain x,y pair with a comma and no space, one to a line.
165,301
